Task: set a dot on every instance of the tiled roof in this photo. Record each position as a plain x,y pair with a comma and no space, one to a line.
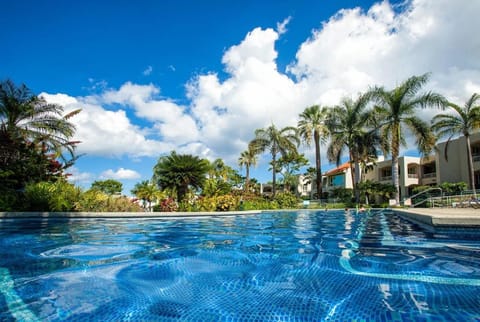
339,169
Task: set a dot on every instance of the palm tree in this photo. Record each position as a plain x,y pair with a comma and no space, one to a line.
33,135
29,118
276,141
396,109
464,121
180,172
147,192
247,158
312,126
348,124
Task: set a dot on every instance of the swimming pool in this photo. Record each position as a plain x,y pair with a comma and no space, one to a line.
274,266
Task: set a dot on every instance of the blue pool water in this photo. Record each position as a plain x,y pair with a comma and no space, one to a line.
283,266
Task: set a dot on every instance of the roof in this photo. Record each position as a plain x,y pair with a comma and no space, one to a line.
340,169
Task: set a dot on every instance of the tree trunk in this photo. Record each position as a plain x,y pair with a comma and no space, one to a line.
395,152
318,164
357,180
471,173
274,172
247,179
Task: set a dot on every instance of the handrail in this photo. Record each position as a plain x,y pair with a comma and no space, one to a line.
424,192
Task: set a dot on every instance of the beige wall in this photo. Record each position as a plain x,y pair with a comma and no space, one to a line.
456,168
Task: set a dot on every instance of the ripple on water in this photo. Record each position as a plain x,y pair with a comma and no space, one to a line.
91,252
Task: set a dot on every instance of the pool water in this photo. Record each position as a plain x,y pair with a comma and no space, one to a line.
274,266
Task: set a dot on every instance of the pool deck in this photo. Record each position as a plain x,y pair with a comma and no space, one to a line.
443,217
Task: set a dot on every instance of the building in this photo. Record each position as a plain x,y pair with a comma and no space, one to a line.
431,170
453,167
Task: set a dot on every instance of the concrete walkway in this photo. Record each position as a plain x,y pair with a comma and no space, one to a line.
443,217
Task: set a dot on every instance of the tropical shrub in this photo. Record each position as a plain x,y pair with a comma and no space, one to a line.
97,201
51,196
286,200
226,203
206,204
166,205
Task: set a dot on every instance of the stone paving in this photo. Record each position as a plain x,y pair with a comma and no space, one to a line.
451,217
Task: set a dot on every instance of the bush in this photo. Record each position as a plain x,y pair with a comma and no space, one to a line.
97,201
51,196
286,200
226,203
166,205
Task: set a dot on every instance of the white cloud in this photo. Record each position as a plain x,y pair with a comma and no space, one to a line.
107,133
351,51
120,174
282,26
148,71
78,177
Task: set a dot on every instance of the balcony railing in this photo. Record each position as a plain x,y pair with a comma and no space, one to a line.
476,157
429,175
413,175
386,178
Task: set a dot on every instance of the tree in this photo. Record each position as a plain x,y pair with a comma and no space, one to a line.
276,141
247,159
109,186
180,172
288,165
396,109
463,121
147,192
33,134
349,126
311,126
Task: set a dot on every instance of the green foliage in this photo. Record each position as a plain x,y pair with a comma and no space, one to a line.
453,188
147,192
98,201
33,137
344,194
215,187
51,196
286,200
206,204
226,203
110,186
180,172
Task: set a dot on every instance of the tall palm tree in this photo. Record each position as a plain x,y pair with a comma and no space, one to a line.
311,126
396,109
29,118
276,141
349,129
180,172
247,159
464,121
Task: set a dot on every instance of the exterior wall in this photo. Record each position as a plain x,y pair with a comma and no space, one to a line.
456,168
341,179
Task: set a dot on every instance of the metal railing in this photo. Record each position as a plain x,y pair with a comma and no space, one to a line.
426,196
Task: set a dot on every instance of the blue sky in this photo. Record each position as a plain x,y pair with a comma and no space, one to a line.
200,76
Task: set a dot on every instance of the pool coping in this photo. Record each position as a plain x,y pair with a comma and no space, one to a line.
442,217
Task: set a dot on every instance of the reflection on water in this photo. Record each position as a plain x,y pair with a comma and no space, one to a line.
306,266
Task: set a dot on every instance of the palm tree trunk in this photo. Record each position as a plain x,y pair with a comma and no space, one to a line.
274,172
357,180
471,173
395,180
247,179
395,152
318,164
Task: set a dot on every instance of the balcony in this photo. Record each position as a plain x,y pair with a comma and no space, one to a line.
476,157
413,176
429,175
